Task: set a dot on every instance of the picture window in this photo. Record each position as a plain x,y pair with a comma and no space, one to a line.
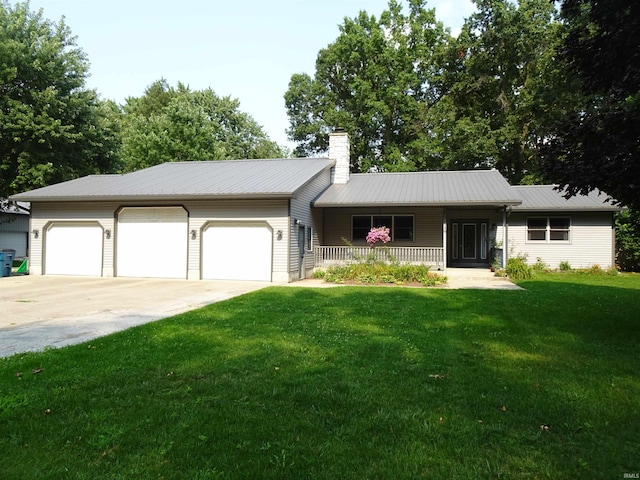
401,227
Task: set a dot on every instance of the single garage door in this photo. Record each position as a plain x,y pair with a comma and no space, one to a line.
152,242
73,249
237,252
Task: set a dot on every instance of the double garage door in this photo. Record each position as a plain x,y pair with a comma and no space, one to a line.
153,242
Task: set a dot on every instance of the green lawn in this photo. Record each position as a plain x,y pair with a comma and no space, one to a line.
343,383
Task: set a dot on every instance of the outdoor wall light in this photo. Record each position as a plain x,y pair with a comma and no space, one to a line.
193,234
107,234
35,233
279,234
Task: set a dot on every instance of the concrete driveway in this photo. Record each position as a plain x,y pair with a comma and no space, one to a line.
48,311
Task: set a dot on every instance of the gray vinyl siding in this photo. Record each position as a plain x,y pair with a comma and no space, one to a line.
427,224
301,210
590,243
14,222
14,228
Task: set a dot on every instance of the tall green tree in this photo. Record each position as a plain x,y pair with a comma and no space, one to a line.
628,240
501,88
597,144
375,82
170,124
52,128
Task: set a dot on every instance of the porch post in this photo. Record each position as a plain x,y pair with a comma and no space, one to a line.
444,238
505,238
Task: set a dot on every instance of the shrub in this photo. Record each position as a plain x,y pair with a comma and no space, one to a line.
596,270
541,266
319,273
564,266
500,272
378,272
517,268
380,234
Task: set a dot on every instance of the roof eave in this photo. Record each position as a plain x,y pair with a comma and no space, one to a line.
501,203
160,198
569,209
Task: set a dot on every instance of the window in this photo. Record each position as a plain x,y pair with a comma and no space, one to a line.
360,227
309,239
536,229
559,229
400,226
548,229
403,228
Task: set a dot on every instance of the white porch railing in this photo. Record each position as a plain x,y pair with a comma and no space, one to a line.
326,255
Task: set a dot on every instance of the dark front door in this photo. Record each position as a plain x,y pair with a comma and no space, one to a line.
468,243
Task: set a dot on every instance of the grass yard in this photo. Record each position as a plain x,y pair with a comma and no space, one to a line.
343,383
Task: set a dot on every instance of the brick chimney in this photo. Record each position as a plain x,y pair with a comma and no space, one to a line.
339,149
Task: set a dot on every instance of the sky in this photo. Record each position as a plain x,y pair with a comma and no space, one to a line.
245,49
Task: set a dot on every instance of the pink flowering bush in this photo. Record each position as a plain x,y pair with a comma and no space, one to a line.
380,234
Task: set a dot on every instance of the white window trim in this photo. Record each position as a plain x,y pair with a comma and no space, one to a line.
547,231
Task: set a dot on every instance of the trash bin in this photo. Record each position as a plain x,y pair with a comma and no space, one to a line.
5,270
6,261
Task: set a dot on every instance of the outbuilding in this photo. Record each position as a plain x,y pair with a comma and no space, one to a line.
14,227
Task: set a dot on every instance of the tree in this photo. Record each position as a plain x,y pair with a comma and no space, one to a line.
375,82
597,144
171,124
52,128
628,240
501,88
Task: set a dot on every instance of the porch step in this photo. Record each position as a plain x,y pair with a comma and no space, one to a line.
480,278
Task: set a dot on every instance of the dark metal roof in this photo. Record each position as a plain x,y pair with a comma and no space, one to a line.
176,180
472,187
546,197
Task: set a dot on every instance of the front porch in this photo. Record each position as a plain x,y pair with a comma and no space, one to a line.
440,237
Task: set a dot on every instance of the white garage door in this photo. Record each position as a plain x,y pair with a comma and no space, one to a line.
152,242
237,252
16,241
72,249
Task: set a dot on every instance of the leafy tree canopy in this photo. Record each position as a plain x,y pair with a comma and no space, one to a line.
170,124
501,88
52,128
375,82
597,144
